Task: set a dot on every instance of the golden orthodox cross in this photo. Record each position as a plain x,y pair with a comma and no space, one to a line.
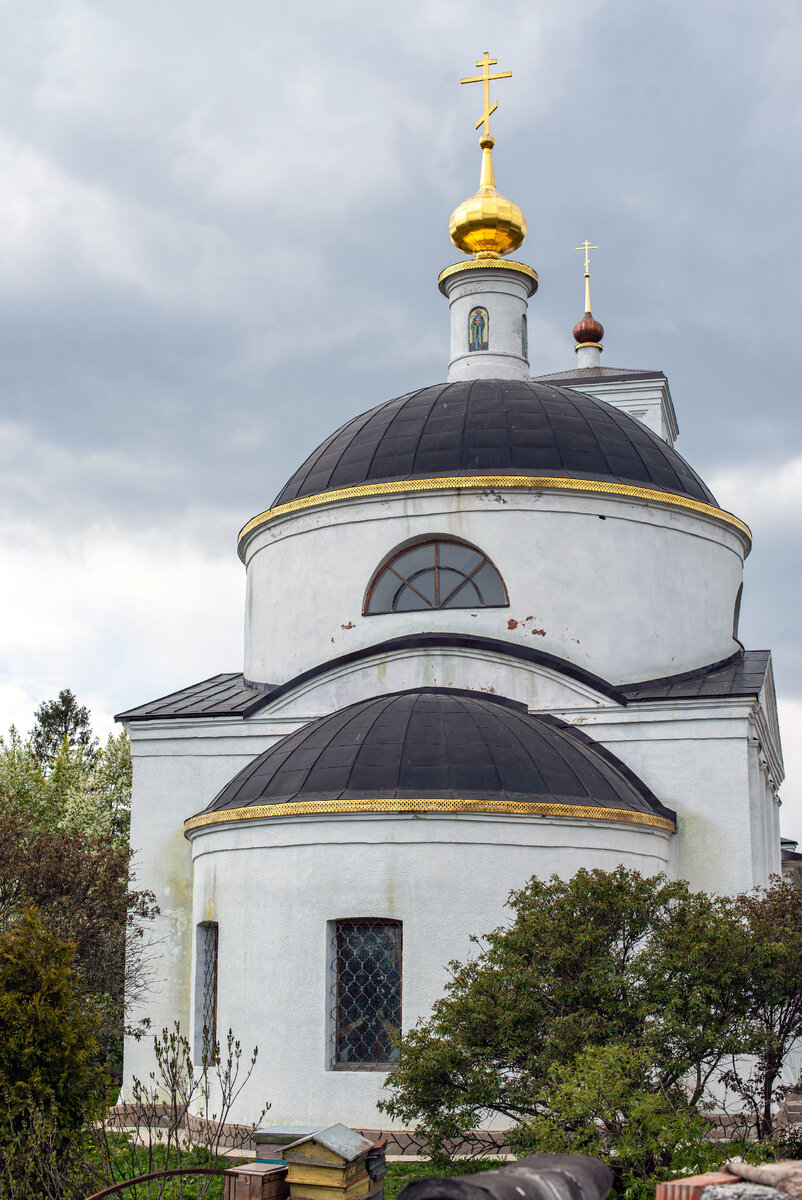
486,62
586,246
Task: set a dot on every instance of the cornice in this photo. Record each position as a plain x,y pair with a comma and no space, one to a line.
494,482
261,812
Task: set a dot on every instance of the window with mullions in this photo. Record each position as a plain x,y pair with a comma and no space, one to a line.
436,574
365,993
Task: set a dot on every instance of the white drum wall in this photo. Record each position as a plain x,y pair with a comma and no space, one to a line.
628,590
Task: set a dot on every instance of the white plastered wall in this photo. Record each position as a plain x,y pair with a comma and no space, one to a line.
626,589
274,886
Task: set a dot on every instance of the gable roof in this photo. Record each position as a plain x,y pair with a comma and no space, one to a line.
231,695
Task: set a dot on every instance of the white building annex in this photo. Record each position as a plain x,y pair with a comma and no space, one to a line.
522,658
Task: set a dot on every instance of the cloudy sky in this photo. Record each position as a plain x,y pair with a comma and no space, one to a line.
220,231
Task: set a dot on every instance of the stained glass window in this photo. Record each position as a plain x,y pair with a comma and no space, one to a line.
366,993
436,574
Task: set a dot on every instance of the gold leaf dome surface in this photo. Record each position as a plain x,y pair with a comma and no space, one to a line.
487,225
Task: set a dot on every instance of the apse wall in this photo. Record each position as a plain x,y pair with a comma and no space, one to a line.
626,589
274,888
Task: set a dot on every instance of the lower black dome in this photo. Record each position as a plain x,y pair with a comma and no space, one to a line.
434,744
499,427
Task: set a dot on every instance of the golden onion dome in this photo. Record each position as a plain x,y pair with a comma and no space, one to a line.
488,224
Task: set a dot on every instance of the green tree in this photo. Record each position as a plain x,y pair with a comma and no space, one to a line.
608,1097
79,790
773,922
59,722
602,960
80,885
51,1083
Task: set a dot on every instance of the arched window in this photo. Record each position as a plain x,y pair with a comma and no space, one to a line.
436,574
478,323
524,339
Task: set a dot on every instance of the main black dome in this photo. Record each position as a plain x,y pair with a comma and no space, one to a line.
498,427
439,745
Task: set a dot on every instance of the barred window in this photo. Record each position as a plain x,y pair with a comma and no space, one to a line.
436,574
366,993
206,1010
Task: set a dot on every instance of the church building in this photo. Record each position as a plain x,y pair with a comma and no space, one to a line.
491,631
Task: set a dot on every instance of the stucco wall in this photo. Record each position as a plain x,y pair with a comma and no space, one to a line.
272,887
628,590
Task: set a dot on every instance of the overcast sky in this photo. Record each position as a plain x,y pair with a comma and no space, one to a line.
220,231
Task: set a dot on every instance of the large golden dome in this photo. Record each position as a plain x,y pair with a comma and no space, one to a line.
488,224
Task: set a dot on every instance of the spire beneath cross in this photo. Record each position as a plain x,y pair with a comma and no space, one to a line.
486,62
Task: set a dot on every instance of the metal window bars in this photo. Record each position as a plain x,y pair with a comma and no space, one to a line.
366,993
208,950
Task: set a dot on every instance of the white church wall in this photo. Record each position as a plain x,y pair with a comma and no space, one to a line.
273,887
695,756
648,400
179,766
472,668
643,592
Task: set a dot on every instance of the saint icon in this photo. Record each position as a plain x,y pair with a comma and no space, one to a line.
477,329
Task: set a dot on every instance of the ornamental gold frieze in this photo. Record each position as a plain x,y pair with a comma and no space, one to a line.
494,483
302,808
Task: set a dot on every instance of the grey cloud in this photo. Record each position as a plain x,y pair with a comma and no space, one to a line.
220,233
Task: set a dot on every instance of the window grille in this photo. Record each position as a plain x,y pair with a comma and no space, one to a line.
208,980
436,574
366,993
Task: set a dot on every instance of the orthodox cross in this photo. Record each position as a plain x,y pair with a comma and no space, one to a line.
586,246
486,62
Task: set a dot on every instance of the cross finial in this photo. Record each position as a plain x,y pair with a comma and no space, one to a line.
486,62
587,247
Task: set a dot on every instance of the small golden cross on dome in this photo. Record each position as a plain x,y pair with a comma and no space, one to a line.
486,62
586,246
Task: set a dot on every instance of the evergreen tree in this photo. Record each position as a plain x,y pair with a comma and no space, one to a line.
61,722
51,1084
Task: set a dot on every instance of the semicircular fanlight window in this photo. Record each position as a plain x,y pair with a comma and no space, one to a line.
436,574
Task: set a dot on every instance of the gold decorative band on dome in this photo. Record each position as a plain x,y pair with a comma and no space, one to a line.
502,264
491,482
301,808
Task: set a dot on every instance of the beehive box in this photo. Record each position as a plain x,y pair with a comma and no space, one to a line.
331,1164
256,1181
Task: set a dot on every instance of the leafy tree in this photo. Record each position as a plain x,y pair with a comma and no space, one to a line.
51,1084
60,722
80,885
79,790
594,978
773,923
607,1097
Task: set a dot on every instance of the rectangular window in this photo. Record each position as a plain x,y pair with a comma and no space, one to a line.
366,993
206,1011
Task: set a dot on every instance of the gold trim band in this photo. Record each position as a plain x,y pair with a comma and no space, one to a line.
483,482
487,264
257,812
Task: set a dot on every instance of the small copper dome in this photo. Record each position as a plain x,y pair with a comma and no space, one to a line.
588,330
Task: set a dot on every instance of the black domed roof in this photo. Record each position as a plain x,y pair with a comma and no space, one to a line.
499,427
438,745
